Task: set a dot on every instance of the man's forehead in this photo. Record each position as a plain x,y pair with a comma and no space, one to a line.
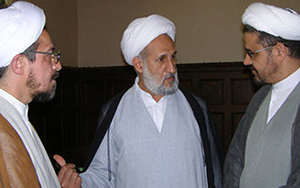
251,38
45,41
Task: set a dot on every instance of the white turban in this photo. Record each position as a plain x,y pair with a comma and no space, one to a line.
21,24
279,22
141,32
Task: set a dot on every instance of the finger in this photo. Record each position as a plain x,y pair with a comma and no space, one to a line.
78,182
75,179
60,160
71,178
70,166
65,172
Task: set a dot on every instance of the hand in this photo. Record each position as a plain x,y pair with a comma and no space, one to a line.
67,175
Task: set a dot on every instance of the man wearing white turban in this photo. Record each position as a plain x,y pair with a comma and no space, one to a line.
28,69
265,151
154,135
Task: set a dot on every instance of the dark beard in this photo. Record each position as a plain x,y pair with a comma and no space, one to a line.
45,96
257,80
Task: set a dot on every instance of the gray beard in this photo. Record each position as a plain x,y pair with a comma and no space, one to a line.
159,88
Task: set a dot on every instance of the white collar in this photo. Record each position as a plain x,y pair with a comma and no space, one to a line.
289,82
147,98
22,108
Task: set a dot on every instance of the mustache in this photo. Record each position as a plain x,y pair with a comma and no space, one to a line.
250,67
169,76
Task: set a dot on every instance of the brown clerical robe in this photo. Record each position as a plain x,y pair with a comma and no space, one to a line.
16,168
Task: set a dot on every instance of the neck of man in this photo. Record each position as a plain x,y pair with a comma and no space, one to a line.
288,69
144,88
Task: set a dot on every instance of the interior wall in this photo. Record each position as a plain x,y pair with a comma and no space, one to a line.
62,24
207,31
89,32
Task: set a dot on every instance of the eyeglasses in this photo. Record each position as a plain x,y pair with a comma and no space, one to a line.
54,55
251,54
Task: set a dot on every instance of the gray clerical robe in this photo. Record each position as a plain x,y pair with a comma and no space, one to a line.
134,153
235,159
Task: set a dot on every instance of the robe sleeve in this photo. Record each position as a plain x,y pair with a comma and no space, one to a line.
16,168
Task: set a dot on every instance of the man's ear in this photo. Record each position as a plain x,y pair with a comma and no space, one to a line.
281,51
18,64
138,64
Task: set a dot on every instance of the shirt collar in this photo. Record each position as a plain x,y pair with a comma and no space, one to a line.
289,82
22,108
147,98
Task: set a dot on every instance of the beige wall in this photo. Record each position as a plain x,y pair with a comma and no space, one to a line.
62,24
89,31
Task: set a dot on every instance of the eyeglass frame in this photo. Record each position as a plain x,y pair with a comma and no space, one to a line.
251,54
52,54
